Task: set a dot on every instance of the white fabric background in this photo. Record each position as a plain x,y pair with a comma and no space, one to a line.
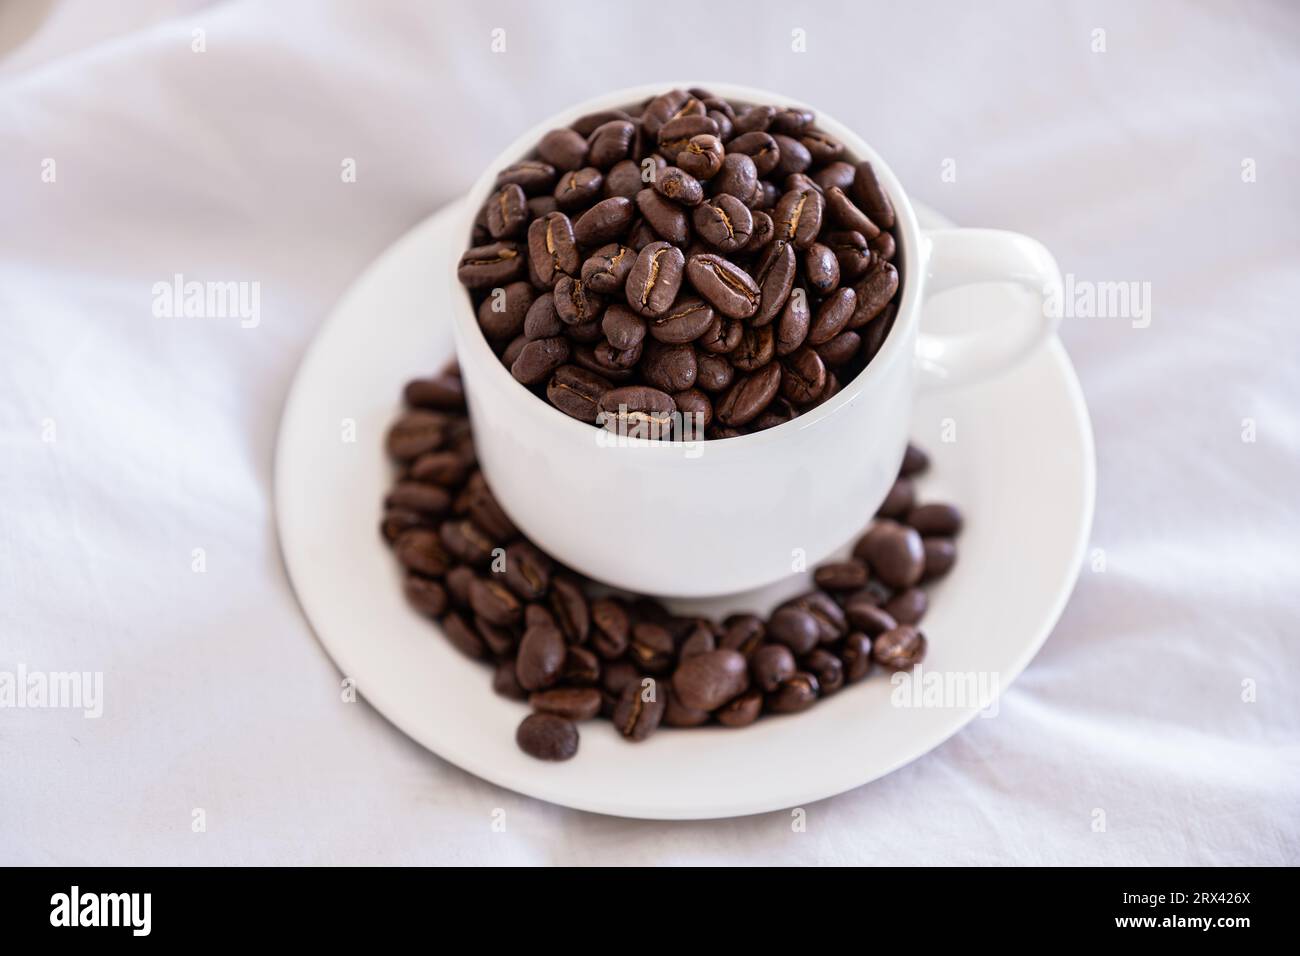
225,165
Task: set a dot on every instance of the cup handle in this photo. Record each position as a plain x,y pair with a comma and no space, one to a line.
968,257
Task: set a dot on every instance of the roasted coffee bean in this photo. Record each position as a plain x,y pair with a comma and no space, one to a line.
655,278
852,252
532,175
835,174
679,186
707,681
482,506
847,575
908,607
564,149
794,158
873,293
604,222
581,667
624,179
527,571
702,156
696,413
609,143
797,692
617,675
441,393
542,321
827,668
771,664
507,212
871,196
749,396
676,135
856,656
831,622
865,615
677,714
465,541
700,641
883,246
610,628
931,520
742,711
848,216
822,148
425,499
512,351
671,368
397,520
552,250
803,376
841,349
547,737
684,321
794,627
724,222
536,615
623,328
792,120
713,374
743,633
798,217
759,147
652,648
894,552
669,106
458,580
605,271
638,411
416,433
463,637
500,639
421,550
833,316
775,275
899,649
586,125
778,413
571,609
505,683
940,556
757,347
577,392
541,657
722,336
640,709
571,703
501,315
822,268
425,595
915,461
494,602
539,359
668,220
738,177
754,118
796,319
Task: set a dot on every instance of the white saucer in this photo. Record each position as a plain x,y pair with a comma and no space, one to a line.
1021,468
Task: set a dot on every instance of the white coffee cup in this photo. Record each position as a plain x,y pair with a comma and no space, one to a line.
715,517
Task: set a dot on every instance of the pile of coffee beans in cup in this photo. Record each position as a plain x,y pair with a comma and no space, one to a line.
688,267
575,650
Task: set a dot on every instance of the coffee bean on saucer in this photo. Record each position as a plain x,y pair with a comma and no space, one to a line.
827,668
495,603
425,594
825,612
771,664
417,496
571,609
500,639
540,659
421,550
940,556
894,552
640,709
856,656
416,433
899,501
443,393
867,616
842,575
462,636
505,683
677,714
702,640
652,648
547,737
795,693
571,703
446,468
907,607
935,520
707,681
899,649
742,711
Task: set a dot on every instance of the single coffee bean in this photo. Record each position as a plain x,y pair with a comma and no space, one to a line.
624,179
605,271
713,373
803,376
655,278
775,275
581,667
495,603
577,392
700,641
898,502
610,628
822,268
676,134
588,124
571,610
623,328
831,622
458,579
466,542
416,433
652,648
707,681
848,216
873,293
852,252
794,323
669,106
724,222
617,675
840,350
609,143
899,649
895,553
505,683
794,627
542,321
749,396
640,709
552,249
684,321
759,147
738,177
935,520
547,737
502,315
842,575
865,615
798,217
696,413
669,220
441,393
533,175
822,148
677,714
397,520
571,703
527,572
908,607
827,668
539,359
679,186
463,637
742,711
425,499
796,693
835,174
444,468
541,657
743,633
792,121
604,222
421,550
871,196
795,157
564,149
915,461
702,156
833,316
638,411
856,656
425,595
940,556
507,212
671,368
500,640
757,347
771,664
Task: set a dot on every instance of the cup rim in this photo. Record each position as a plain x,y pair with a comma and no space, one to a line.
471,337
